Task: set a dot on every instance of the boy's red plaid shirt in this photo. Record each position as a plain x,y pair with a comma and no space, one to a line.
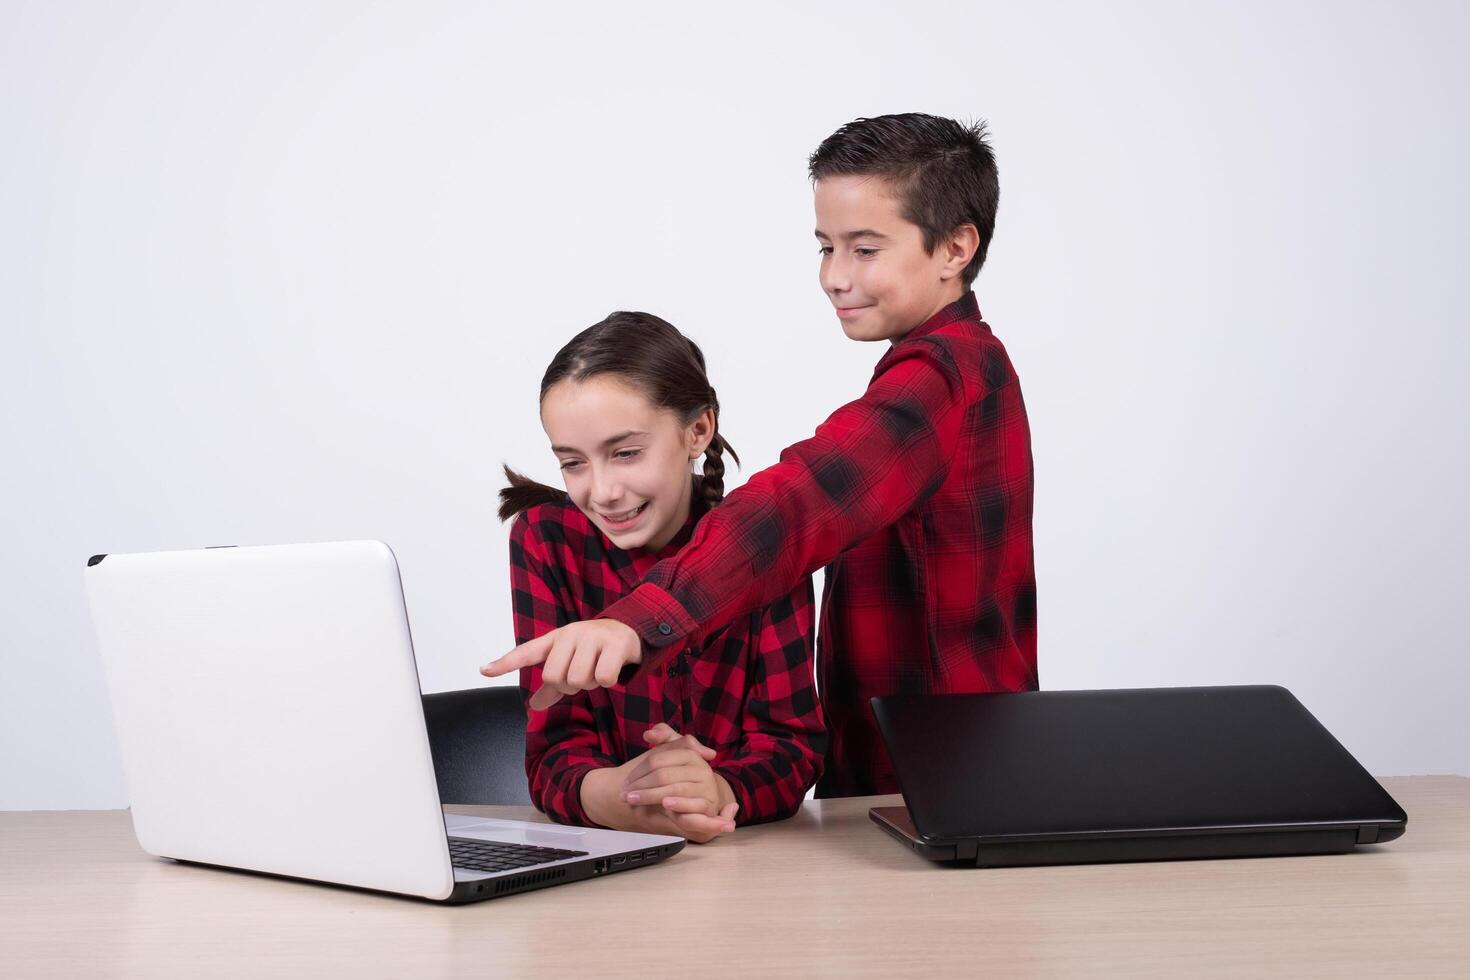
917,498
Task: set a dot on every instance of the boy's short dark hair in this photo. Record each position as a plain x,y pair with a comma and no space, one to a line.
942,171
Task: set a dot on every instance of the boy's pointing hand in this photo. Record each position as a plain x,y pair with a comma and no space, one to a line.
577,657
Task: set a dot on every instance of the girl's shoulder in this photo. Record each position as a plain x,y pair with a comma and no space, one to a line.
552,524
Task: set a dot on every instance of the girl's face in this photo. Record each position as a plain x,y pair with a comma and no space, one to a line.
625,462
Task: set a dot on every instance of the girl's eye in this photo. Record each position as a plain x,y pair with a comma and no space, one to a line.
627,453
570,464
824,249
866,253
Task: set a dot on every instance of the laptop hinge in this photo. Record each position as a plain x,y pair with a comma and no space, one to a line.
966,851
1368,834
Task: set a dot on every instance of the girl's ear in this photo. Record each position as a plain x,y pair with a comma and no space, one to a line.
958,250
699,433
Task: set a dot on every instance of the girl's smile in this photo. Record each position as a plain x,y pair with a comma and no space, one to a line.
624,460
625,520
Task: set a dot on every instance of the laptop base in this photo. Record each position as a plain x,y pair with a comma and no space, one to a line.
896,822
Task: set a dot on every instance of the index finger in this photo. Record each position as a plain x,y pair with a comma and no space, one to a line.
659,734
695,745
705,825
528,654
655,758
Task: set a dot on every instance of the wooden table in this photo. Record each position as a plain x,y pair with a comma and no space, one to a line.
823,893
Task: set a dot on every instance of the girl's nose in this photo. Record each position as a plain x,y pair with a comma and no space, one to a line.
606,489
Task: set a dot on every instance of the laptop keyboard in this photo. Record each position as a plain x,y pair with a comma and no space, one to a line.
489,855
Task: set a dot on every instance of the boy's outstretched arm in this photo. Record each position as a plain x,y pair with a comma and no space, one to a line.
871,462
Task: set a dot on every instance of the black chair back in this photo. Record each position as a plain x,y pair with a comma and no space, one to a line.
478,738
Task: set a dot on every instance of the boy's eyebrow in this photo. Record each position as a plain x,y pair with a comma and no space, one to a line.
609,441
860,233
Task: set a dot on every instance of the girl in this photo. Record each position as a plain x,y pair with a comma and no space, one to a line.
701,742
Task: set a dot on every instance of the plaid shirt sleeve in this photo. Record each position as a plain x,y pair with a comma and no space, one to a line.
870,463
562,743
783,738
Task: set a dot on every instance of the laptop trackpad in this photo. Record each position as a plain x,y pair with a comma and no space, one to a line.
461,824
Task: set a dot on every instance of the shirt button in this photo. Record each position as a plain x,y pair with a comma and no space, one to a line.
665,629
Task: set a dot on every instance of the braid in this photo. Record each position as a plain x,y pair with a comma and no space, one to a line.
523,494
713,484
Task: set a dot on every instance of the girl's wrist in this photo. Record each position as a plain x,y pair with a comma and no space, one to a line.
725,793
603,806
600,798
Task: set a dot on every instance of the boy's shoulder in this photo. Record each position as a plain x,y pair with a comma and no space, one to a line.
963,348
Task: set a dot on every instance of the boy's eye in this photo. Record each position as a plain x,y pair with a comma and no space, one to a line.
824,249
626,453
866,253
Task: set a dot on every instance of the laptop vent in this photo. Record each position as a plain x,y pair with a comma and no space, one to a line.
529,880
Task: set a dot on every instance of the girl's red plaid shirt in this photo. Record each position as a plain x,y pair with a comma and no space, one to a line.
745,690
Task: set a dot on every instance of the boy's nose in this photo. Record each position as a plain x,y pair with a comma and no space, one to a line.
834,277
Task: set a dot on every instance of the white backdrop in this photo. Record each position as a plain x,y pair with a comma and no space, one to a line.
291,272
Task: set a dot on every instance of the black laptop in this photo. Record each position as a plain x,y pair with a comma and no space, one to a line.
1071,777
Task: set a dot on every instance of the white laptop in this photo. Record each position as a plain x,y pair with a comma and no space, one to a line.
269,718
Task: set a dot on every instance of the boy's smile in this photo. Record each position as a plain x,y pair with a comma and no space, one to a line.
875,269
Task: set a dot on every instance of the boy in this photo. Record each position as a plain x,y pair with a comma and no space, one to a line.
917,497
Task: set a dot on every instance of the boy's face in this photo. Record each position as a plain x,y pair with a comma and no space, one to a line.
625,462
875,269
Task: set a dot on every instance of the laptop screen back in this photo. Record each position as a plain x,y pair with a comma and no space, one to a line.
1097,762
268,712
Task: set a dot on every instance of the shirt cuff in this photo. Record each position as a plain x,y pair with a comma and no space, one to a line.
571,800
659,620
735,779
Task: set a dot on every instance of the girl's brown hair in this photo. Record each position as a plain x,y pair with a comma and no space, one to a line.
656,359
